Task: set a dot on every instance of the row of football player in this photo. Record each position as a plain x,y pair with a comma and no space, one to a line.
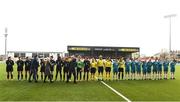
119,66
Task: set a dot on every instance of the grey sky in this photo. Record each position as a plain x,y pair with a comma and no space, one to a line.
51,25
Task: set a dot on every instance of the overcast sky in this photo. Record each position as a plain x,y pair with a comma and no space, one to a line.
51,25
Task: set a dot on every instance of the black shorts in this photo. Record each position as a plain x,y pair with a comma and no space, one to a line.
19,69
9,69
72,71
42,69
144,73
58,69
79,69
66,69
27,68
121,70
52,69
93,70
100,69
108,69
86,69
154,71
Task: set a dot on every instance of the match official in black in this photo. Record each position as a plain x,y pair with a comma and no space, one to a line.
72,69
27,67
65,68
42,70
59,64
20,65
52,63
9,67
86,68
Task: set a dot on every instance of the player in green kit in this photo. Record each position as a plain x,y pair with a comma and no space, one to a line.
80,66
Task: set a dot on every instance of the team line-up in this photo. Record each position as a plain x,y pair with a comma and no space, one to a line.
123,69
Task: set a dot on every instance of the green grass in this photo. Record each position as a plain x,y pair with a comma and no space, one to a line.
16,91
138,90
159,90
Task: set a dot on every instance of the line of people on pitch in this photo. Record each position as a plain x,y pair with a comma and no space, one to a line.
133,68
46,68
65,67
148,69
129,68
31,68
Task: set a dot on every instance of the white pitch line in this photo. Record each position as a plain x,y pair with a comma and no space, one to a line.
116,91
128,100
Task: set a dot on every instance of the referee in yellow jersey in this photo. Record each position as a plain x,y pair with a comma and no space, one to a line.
108,65
100,64
93,68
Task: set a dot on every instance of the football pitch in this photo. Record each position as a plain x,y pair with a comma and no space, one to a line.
134,90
